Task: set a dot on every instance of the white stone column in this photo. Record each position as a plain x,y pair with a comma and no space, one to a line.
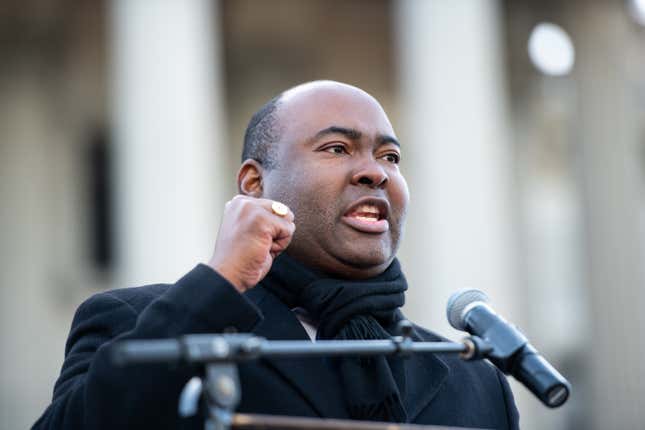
455,134
610,128
168,135
456,156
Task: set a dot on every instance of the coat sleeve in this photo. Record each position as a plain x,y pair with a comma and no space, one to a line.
91,393
512,415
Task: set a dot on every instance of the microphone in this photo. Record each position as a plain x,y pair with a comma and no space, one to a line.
468,310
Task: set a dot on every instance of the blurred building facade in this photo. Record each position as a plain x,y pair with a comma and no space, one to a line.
122,125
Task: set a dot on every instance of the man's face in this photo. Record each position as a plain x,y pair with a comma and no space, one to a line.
337,169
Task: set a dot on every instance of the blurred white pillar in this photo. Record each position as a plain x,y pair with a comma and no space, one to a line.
168,135
610,127
456,155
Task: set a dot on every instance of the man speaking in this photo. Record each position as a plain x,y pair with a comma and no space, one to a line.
305,251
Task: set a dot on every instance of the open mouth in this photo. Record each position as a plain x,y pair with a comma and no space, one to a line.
366,212
368,216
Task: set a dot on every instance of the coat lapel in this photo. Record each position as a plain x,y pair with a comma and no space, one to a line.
424,375
312,376
318,384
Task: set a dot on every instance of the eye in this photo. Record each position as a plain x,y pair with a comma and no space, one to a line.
336,149
392,157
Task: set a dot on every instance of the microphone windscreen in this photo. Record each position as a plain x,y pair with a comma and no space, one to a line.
458,302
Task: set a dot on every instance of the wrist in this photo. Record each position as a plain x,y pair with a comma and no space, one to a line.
229,275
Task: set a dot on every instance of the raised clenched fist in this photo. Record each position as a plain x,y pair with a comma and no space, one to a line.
250,236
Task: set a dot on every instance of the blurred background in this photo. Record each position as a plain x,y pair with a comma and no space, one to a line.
522,123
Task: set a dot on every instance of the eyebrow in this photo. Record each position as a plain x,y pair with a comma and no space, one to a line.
354,134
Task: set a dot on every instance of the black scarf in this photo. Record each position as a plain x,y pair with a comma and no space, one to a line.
374,387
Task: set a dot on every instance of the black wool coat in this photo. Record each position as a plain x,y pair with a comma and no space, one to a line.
91,393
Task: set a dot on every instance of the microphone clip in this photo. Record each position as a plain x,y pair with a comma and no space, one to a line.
476,348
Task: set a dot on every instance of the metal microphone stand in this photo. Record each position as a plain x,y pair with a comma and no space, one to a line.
220,353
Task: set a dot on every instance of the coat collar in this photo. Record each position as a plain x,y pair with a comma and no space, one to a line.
425,373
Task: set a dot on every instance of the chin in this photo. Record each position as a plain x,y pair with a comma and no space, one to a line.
367,256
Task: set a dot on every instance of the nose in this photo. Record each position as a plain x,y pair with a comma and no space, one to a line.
370,174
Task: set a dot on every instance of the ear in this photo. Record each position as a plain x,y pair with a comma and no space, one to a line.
249,178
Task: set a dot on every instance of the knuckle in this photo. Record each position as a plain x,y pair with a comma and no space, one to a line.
258,215
236,201
245,206
287,227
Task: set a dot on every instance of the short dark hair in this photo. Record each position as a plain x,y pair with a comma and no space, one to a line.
262,133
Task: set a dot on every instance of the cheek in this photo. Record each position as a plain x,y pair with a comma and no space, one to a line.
311,197
400,197
316,203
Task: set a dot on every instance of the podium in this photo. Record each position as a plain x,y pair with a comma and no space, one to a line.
269,422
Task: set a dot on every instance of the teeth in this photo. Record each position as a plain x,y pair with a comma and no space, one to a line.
366,212
366,218
367,209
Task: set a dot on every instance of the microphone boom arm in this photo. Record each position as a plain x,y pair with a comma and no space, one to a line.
221,352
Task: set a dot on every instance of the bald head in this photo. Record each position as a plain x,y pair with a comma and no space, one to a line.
318,88
265,128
